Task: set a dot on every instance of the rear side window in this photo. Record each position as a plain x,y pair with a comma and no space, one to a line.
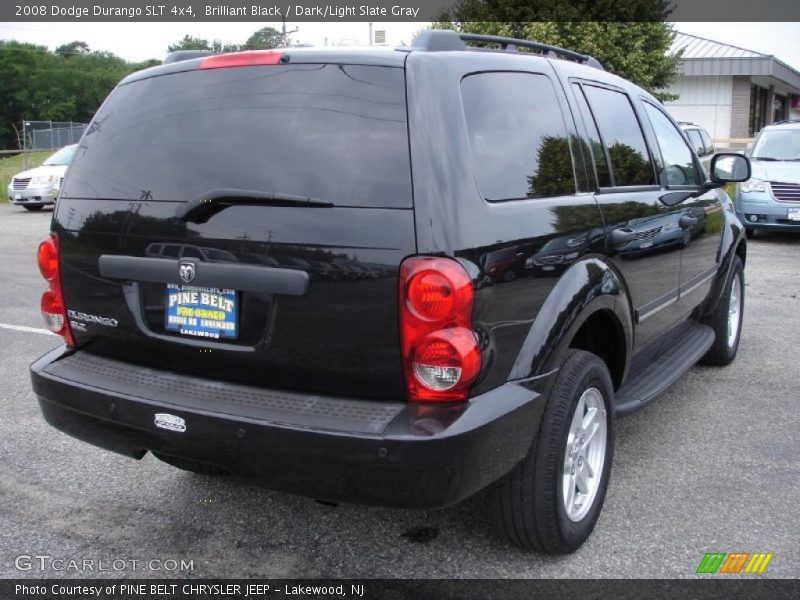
519,142
621,136
679,166
336,133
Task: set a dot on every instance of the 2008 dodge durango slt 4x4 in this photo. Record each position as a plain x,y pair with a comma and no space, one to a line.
391,277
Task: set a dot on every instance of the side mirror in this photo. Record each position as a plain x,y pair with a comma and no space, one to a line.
729,167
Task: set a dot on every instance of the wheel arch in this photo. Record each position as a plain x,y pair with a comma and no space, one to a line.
589,309
734,243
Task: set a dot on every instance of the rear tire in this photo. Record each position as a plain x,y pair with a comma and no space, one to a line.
33,207
539,506
192,466
726,320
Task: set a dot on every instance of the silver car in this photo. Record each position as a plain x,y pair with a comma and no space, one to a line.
39,186
770,199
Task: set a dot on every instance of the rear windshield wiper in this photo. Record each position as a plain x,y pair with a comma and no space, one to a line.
203,207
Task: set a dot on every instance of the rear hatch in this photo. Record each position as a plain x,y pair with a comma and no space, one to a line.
245,224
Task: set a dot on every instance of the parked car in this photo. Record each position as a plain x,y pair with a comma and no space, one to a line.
38,187
770,199
700,141
427,385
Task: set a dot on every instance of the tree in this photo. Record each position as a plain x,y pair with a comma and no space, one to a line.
190,43
631,39
263,39
73,48
195,43
66,85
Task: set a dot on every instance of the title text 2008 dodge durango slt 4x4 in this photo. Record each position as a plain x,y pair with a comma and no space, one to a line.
394,277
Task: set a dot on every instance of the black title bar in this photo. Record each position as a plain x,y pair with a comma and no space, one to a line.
385,10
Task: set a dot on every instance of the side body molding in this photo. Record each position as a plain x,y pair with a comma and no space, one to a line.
584,289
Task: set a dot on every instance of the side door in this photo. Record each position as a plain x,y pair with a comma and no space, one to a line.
639,227
701,216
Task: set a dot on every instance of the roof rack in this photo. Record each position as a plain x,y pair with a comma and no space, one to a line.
181,55
446,39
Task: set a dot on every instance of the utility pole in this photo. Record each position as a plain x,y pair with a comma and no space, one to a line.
285,34
370,33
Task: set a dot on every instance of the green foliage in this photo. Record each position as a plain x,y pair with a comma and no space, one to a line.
189,42
263,39
553,175
66,85
631,39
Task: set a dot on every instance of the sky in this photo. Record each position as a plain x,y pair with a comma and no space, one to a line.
140,41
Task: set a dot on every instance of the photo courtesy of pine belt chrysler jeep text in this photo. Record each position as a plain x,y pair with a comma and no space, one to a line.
387,276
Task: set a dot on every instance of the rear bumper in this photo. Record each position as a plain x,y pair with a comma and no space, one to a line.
337,449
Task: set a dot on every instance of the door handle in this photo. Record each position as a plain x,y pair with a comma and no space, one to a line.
622,235
687,222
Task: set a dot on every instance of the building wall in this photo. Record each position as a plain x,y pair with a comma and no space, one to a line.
706,101
740,113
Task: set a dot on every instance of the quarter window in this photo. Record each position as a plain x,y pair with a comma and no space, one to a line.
709,145
622,136
679,166
518,138
697,141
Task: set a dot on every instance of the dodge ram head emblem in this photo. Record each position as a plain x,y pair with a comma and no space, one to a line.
186,271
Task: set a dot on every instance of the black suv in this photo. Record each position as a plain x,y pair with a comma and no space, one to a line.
391,277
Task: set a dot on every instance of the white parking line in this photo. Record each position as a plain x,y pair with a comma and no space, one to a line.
26,329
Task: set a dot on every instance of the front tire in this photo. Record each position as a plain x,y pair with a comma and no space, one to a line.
551,501
726,320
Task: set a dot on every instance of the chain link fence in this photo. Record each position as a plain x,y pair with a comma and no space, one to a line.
50,135
44,136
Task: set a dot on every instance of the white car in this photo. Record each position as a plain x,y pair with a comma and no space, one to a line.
39,187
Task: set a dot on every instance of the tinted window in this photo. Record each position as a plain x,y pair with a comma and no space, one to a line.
518,137
333,132
622,136
678,162
697,141
595,154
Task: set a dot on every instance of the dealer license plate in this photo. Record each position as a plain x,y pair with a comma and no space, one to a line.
201,312
17,196
794,214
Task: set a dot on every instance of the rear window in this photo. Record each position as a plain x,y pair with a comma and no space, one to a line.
336,133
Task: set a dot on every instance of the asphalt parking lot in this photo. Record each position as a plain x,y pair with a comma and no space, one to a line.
712,466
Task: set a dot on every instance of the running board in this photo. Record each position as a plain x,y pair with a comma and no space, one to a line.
659,369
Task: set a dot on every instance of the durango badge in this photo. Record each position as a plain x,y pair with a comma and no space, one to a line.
186,271
171,422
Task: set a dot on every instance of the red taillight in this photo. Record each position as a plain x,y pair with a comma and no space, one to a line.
47,257
249,58
441,357
52,304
